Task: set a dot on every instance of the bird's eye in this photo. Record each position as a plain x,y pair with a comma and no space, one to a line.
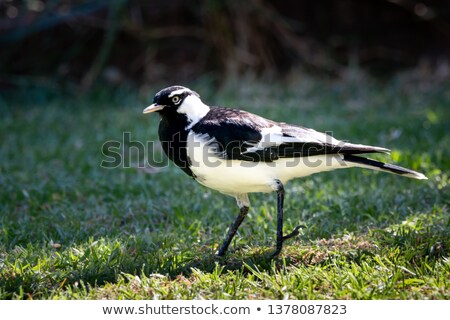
176,99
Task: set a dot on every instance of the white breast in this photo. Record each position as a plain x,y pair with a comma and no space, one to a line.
237,177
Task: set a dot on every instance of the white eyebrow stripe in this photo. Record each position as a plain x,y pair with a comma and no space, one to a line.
177,92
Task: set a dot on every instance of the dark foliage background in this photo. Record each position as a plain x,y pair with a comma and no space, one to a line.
138,41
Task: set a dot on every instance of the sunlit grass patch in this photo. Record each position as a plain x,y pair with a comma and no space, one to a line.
70,229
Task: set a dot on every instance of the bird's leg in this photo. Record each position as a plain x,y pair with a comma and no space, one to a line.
233,229
244,204
279,188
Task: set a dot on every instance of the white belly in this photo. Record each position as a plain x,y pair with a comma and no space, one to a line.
238,177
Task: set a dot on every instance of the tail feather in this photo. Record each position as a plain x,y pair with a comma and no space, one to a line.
381,166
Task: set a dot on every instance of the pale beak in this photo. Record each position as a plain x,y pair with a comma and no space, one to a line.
152,108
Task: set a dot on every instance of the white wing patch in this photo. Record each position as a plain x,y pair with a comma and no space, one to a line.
273,136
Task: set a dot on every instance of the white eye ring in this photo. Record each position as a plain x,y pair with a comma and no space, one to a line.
176,99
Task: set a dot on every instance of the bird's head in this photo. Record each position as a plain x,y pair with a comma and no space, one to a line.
178,100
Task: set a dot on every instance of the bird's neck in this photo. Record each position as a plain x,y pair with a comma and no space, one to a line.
193,109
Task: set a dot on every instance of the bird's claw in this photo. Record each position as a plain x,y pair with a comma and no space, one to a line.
294,233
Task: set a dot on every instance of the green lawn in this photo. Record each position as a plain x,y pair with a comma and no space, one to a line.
70,229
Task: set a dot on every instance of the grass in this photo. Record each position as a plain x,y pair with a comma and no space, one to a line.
70,229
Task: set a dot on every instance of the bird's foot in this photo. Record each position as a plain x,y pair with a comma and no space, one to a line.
293,233
221,252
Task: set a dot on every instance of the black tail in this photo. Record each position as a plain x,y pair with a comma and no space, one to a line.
381,166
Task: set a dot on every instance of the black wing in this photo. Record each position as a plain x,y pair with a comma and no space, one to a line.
240,135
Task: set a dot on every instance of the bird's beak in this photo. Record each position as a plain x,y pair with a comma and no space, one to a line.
152,108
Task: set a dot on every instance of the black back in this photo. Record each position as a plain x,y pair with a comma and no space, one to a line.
237,132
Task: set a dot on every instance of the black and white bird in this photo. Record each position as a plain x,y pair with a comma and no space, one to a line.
236,152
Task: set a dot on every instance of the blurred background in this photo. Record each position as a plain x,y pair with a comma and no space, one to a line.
139,43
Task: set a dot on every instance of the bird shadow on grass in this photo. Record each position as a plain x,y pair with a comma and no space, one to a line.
245,259
260,258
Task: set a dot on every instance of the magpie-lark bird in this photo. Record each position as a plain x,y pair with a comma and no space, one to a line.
236,152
